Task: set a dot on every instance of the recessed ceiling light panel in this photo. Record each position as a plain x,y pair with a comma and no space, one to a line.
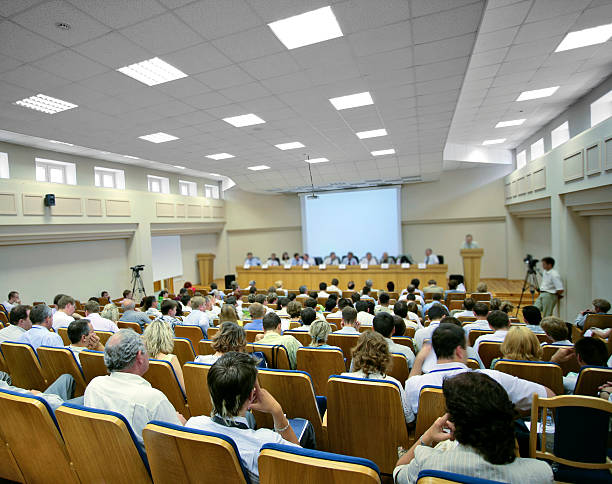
46,104
290,146
60,142
152,72
312,161
352,101
179,167
512,122
390,151
244,120
307,28
220,156
259,167
131,157
158,137
537,93
374,133
493,141
585,37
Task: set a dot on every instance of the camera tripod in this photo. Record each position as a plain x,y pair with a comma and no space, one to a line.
531,282
137,285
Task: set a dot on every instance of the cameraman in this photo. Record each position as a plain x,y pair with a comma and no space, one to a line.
551,288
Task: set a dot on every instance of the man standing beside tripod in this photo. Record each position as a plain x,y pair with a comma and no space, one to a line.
551,288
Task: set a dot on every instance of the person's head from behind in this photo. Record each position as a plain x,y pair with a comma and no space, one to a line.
415,282
303,289
272,322
42,315
319,331
330,304
390,286
20,316
532,315
168,307
311,302
413,307
495,304
448,341
399,325
159,338
468,304
125,351
260,298
548,263
400,308
432,282
230,337
355,297
452,284
383,298
197,303
601,306
555,328
344,302
482,287
66,304
383,324
257,310
272,298
349,317
335,282
149,302
228,314
366,291
436,296
252,290
436,312
591,351
350,285
521,344
322,286
498,320
313,294
371,355
482,414
361,306
128,304
91,307
283,301
481,310
294,308
507,307
307,316
111,312
232,384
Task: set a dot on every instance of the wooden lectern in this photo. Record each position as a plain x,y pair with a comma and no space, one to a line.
471,267
206,266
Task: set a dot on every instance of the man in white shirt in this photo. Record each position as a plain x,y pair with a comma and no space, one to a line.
92,312
400,308
19,323
11,301
430,257
82,336
306,259
234,389
307,317
283,302
412,290
498,322
334,286
350,259
350,324
65,309
250,260
332,260
481,311
448,342
383,324
40,333
551,288
323,290
468,308
383,304
369,259
364,316
436,313
198,316
273,260
469,243
125,390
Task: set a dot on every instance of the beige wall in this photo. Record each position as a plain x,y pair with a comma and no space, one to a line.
536,237
191,245
601,262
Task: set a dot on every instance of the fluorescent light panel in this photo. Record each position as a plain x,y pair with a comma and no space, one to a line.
390,151
214,174
290,146
307,28
585,37
374,133
179,167
493,141
352,101
244,120
61,142
220,156
46,104
512,122
132,157
158,137
259,167
537,93
152,72
317,160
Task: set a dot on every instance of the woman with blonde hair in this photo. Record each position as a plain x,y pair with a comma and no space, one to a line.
319,331
371,360
278,285
159,339
228,314
294,309
230,337
111,312
520,344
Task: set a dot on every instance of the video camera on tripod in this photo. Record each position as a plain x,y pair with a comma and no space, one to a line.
531,280
137,268
137,284
531,263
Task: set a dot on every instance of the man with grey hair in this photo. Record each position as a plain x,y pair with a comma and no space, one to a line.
130,315
125,390
303,293
39,334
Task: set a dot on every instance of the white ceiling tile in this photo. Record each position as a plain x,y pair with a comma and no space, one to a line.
21,44
288,83
545,28
225,77
271,66
119,13
440,85
356,15
396,59
544,9
427,7
477,73
245,92
113,50
531,49
389,37
442,50
593,17
70,65
522,65
271,10
488,57
8,63
450,23
33,78
250,44
207,100
495,40
181,88
112,83
175,3
504,17
10,93
438,70
11,7
198,58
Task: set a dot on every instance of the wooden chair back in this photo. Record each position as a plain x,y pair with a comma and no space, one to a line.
598,321
183,350
9,469
211,332
454,304
102,445
192,333
24,366
410,332
63,332
294,324
3,366
251,334
314,466
481,296
399,367
320,364
302,336
181,455
196,388
104,336
431,406
92,364
128,325
544,373
364,328
294,391
566,366
467,319
57,361
475,333
29,431
404,340
488,351
161,375
346,342
473,364
455,296
365,419
205,347
276,355
431,476
591,378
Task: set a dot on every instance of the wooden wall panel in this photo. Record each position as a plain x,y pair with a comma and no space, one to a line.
8,204
593,159
33,204
218,212
194,211
573,166
164,209
118,208
93,207
180,210
538,180
67,206
608,150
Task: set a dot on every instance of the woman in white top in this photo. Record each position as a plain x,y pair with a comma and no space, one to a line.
230,337
159,340
371,360
149,306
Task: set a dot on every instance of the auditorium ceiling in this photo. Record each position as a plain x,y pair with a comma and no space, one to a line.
440,73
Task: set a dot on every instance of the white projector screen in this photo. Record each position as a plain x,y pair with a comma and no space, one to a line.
359,221
167,257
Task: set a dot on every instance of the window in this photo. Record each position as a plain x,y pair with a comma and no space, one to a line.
521,159
109,178
537,149
211,191
158,184
4,168
187,188
559,135
601,109
53,171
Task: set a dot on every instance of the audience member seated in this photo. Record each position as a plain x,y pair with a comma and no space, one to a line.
411,320
198,315
499,323
369,259
350,323
387,259
273,336
65,309
364,316
495,304
19,323
330,304
149,306
331,260
130,315
257,312
273,260
350,259
311,302
413,309
303,293
279,288
125,390
282,304
58,393
482,288
323,290
464,442
468,309
350,285
507,307
297,260
92,312
234,389
384,325
416,283
185,302
344,302
430,258
556,331
169,310
127,294
589,352
159,341
436,300
230,337
600,306
294,309
532,317
271,299
39,334
365,294
481,311
452,287
12,300
83,337
449,343
435,314
307,317
371,359
110,312
319,331
250,260
383,304
399,325
520,344
411,289
333,287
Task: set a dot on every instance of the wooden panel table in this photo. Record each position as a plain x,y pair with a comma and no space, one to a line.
311,277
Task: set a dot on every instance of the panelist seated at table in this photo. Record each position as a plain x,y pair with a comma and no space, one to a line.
350,259
251,260
273,260
369,259
387,259
297,260
306,259
430,257
332,260
470,243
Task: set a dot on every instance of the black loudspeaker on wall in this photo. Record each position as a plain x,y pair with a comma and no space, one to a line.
49,200
229,278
